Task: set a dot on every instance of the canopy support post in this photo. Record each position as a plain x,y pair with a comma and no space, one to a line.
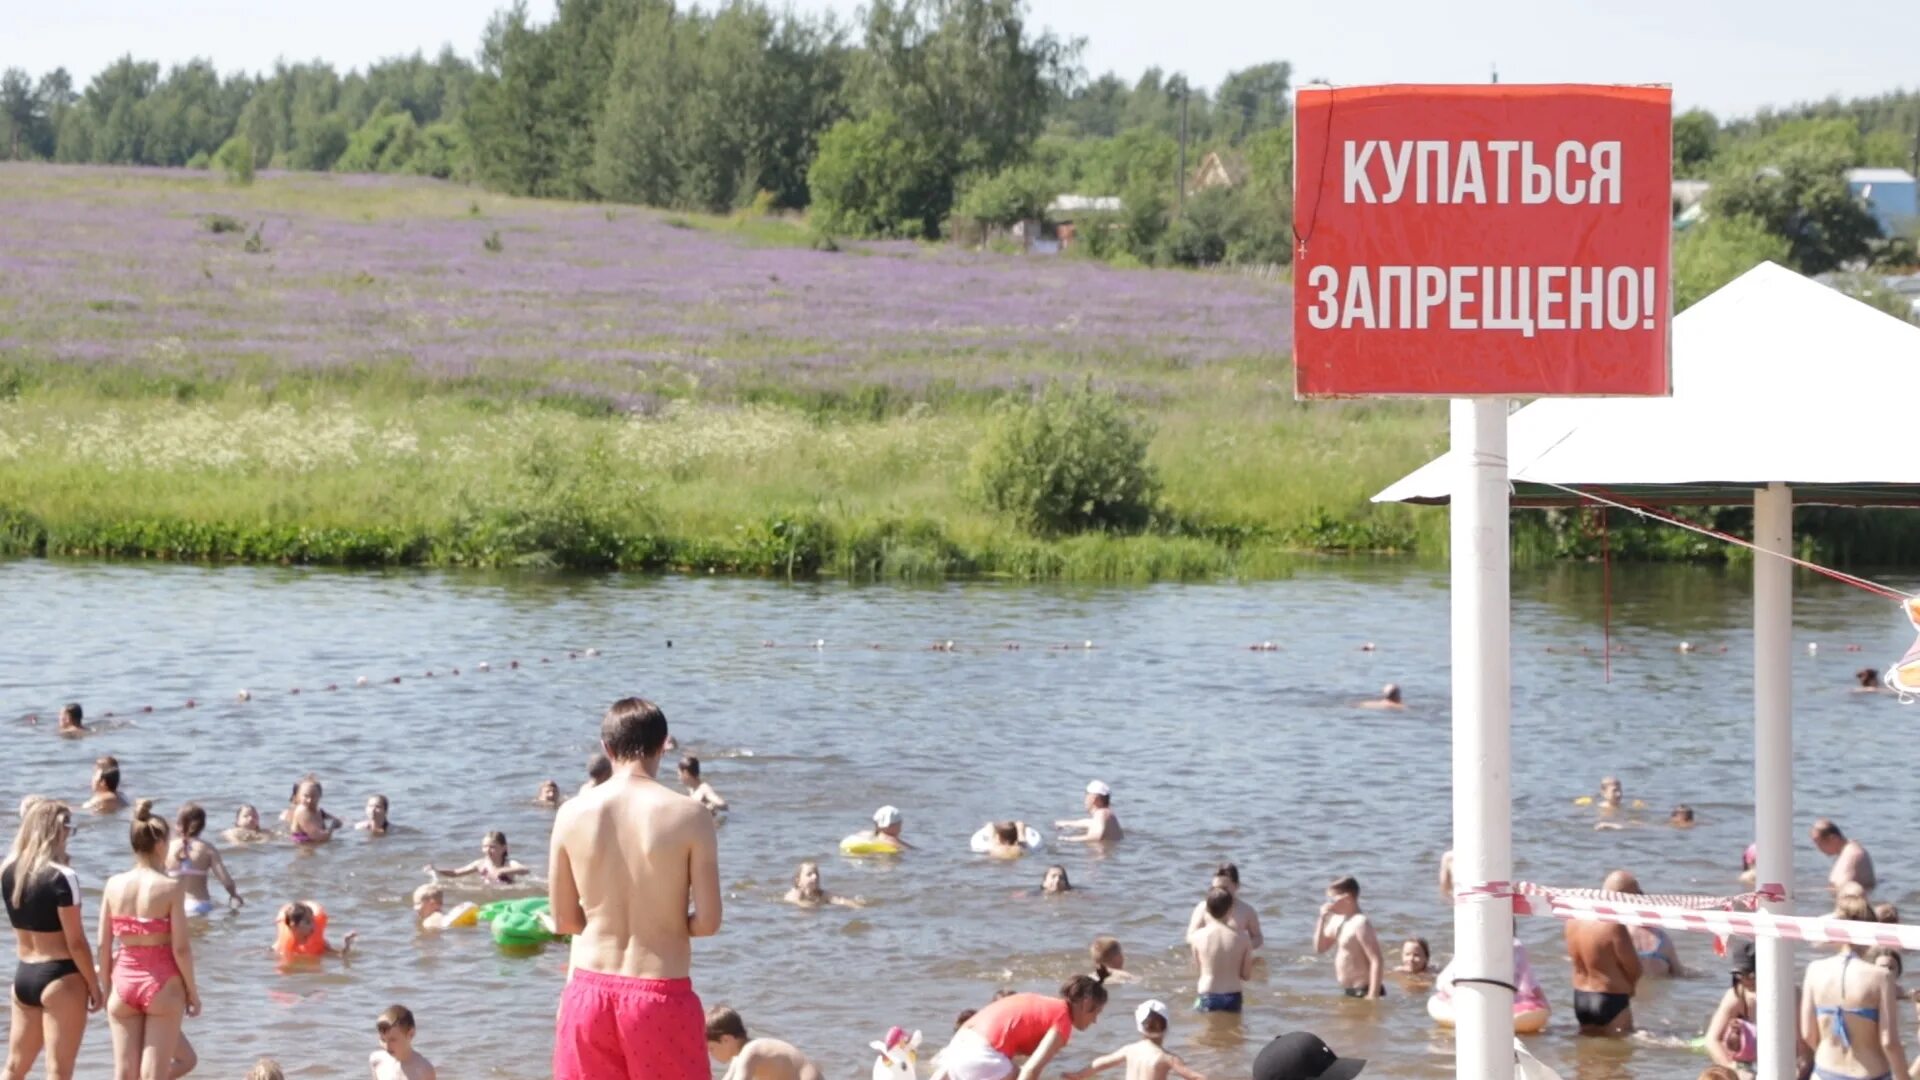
1773,766
1482,799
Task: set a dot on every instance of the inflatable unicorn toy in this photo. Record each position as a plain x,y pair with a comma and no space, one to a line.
899,1056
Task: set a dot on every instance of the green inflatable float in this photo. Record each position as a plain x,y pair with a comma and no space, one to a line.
520,923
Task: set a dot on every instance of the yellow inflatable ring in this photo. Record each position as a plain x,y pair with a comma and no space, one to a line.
1527,1020
864,844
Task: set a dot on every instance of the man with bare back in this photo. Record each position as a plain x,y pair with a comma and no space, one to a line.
634,877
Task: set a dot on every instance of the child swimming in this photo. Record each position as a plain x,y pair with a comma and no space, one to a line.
697,789
190,860
431,912
1001,839
397,1059
246,826
306,822
1416,957
1055,882
549,794
1147,1058
301,931
376,823
1109,957
808,892
753,1059
494,865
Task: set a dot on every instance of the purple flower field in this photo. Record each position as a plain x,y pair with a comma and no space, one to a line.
118,267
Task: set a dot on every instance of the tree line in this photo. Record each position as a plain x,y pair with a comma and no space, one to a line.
924,118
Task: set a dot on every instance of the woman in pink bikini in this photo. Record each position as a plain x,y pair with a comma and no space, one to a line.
145,956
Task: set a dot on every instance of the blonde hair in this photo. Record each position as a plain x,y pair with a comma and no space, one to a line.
147,833
42,831
429,891
266,1069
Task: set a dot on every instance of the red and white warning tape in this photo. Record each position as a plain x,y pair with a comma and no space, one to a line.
1722,916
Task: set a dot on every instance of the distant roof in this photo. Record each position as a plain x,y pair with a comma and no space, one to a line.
1879,176
1096,203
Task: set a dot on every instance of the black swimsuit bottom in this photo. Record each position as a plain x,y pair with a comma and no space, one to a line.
1595,1009
31,980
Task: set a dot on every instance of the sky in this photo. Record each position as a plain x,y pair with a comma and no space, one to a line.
1730,56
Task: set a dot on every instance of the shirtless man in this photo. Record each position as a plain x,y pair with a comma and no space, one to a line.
1605,971
1357,962
106,797
753,1059
1222,954
1389,699
634,878
1146,1059
1243,917
71,721
1101,826
1651,944
1851,863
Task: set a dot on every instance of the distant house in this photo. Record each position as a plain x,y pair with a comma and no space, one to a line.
1064,217
1890,194
1217,171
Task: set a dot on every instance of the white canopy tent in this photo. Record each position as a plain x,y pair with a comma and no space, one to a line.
1784,391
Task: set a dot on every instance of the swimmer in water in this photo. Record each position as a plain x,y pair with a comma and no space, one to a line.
808,892
246,826
1147,1058
599,771
753,1059
1885,912
1102,825
549,794
192,860
1867,678
1055,882
1243,917
1612,795
1345,929
1108,955
1682,817
306,822
1223,956
376,823
494,865
71,722
397,1059
1389,699
430,908
1006,839
106,797
886,825
697,789
1416,957
301,930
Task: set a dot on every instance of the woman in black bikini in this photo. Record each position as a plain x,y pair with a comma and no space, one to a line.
55,986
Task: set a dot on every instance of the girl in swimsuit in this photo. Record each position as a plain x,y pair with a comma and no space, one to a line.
494,866
191,859
144,913
1732,1038
246,826
1849,1012
306,821
54,986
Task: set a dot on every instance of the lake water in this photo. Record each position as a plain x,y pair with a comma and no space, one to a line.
1213,752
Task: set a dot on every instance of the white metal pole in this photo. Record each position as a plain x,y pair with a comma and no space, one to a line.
1773,765
1482,801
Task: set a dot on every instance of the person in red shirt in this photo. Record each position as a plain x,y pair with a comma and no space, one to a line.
1030,1026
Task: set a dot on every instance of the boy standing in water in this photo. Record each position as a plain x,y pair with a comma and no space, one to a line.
1223,954
753,1059
697,789
106,798
1344,928
1146,1059
396,1058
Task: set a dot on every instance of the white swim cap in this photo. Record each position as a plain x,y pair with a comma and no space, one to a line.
886,817
1149,1008
1095,787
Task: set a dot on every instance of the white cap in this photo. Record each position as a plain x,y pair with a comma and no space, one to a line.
1149,1008
886,817
1095,787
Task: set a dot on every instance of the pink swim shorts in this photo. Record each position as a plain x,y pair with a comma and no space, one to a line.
612,1026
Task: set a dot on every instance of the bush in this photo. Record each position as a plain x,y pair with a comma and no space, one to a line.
221,223
1005,198
200,160
1718,250
235,158
493,242
1068,461
873,177
1872,290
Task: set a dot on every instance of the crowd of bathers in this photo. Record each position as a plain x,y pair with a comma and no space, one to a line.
139,968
